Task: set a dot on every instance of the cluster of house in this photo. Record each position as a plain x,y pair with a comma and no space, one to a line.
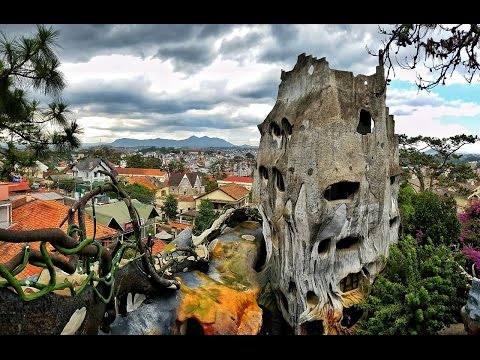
26,208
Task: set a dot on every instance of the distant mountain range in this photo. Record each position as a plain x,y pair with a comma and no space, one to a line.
192,142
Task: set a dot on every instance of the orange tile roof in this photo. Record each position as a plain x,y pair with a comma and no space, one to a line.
158,246
9,250
184,198
243,179
138,171
17,186
235,191
180,226
41,214
141,180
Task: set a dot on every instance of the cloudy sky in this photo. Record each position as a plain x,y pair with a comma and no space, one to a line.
173,81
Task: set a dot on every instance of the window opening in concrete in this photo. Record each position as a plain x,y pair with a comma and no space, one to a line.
347,242
323,246
351,315
314,327
194,327
341,190
287,127
350,282
365,123
279,179
275,129
263,172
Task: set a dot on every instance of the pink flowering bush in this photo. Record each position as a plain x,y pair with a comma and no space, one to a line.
470,235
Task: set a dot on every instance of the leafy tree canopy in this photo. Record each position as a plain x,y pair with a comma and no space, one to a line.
432,160
421,291
170,206
428,215
31,62
205,218
140,192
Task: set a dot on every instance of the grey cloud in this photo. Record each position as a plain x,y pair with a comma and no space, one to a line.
344,46
80,42
240,45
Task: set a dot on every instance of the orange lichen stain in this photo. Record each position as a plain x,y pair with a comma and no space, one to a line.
219,309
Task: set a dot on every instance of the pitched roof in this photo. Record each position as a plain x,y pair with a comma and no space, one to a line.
176,178
17,186
243,179
41,214
184,198
118,212
51,195
138,171
89,164
9,250
141,180
235,191
179,226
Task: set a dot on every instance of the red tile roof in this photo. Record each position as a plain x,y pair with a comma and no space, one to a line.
158,246
17,186
242,179
9,250
41,214
180,226
235,191
184,198
141,180
137,171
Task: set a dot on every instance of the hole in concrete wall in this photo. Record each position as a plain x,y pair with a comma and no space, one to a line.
365,271
350,282
365,123
312,299
310,69
323,246
287,127
347,242
261,256
351,315
314,327
392,180
310,171
292,288
278,179
275,129
194,327
284,302
393,221
263,171
341,190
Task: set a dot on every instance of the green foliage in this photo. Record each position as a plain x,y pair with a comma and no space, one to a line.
206,217
140,192
67,184
406,195
170,206
427,214
440,164
420,291
210,184
176,166
31,62
138,161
